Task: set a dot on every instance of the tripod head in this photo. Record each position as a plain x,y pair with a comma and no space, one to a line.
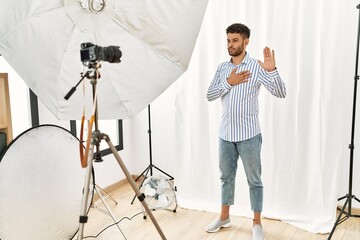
93,74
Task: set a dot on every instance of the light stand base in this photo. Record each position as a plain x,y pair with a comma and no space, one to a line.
145,174
340,219
103,195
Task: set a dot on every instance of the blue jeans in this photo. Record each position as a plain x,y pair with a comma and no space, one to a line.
249,152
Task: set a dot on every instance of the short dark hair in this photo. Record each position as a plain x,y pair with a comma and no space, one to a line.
239,28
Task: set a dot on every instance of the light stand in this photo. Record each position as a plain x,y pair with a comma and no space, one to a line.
103,195
349,197
150,167
96,138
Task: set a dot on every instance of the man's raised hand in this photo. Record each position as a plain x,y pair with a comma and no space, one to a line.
269,60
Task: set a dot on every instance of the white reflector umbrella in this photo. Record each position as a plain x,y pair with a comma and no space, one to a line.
41,185
41,41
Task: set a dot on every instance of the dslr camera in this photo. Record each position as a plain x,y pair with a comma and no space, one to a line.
91,53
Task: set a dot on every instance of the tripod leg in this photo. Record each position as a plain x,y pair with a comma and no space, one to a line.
142,182
83,214
356,215
144,173
170,177
102,198
338,220
133,185
102,191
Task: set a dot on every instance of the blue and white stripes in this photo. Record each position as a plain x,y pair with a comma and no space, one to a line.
240,102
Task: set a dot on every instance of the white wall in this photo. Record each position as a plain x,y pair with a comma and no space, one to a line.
19,99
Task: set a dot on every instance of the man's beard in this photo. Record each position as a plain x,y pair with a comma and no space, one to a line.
238,51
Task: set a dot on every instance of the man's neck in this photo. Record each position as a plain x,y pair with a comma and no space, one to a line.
238,59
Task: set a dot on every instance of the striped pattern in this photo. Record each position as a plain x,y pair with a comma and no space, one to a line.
240,102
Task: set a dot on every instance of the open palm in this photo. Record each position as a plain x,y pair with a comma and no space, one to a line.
269,60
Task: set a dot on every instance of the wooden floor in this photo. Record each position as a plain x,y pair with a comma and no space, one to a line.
189,224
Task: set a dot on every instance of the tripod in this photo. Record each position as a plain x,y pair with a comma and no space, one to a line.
151,165
349,197
96,138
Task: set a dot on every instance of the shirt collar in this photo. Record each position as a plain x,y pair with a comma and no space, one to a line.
244,61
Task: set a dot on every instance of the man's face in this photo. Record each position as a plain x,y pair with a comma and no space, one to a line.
236,44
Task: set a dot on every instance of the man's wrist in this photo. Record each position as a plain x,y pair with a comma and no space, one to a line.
272,69
228,85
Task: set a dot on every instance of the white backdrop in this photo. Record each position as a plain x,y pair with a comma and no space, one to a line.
305,136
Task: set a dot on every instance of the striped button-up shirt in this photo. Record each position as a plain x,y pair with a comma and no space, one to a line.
240,104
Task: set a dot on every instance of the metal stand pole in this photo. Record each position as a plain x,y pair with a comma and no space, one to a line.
349,197
85,202
150,167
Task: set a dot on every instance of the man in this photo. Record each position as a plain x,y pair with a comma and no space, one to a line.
237,82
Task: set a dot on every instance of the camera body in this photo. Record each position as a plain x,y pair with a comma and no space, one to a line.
91,53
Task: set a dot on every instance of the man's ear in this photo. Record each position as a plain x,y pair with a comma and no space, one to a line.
246,41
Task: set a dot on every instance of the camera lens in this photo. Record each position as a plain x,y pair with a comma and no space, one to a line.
111,54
